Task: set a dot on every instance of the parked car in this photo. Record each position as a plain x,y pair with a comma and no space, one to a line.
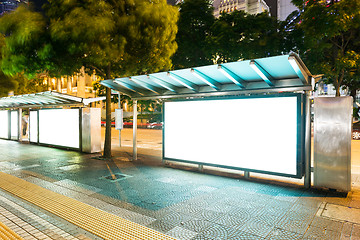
129,124
356,131
103,123
155,125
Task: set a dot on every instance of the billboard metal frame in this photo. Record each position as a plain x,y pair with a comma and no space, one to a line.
301,121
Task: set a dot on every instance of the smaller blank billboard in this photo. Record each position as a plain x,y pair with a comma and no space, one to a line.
259,134
14,125
4,124
33,126
59,127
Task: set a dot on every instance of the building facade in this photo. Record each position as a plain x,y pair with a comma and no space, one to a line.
79,85
9,5
249,6
284,8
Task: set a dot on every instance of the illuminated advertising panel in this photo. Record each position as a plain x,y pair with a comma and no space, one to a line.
59,127
14,125
33,126
258,134
4,124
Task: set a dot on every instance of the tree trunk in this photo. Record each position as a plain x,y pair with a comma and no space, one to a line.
339,83
107,144
337,88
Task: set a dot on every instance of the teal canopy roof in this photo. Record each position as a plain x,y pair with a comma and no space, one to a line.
285,73
45,99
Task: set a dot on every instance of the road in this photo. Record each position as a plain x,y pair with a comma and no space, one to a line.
146,138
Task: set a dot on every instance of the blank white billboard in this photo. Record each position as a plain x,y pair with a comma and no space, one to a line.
14,125
59,127
33,126
4,124
249,133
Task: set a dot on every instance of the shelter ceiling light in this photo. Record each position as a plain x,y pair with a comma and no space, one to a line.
163,83
262,72
206,79
232,76
145,85
294,64
129,86
183,82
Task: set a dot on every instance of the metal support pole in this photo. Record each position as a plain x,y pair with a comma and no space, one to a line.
9,124
80,130
119,129
247,175
135,130
307,177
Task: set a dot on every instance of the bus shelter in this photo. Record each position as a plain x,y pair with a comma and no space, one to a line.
251,115
54,119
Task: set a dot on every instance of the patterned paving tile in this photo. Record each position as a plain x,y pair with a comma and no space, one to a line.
196,225
294,225
208,215
162,226
356,231
181,233
175,218
230,220
321,233
277,234
327,224
216,232
79,187
256,227
301,208
71,167
244,236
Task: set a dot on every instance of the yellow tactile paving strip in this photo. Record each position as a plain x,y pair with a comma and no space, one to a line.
91,219
8,234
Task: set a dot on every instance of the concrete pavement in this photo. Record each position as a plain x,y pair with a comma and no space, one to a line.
175,200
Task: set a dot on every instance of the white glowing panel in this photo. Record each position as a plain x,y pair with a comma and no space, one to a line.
59,127
33,126
251,133
4,124
14,124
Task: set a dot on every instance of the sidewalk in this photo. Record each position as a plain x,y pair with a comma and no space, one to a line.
175,200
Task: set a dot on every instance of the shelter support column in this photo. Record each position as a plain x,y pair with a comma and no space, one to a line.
20,125
121,119
307,177
135,130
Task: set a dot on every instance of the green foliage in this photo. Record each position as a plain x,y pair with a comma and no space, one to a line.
6,82
331,38
240,35
195,22
25,35
115,38
203,40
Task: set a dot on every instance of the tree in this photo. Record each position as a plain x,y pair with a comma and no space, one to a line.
17,82
331,38
115,38
195,21
6,83
112,37
240,35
